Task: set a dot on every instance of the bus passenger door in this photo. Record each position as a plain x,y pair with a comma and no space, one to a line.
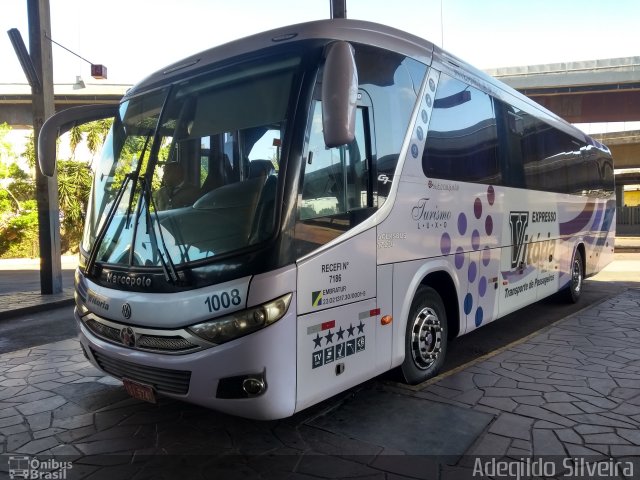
336,287
337,317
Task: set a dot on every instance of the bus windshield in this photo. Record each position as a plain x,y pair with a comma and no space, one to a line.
190,172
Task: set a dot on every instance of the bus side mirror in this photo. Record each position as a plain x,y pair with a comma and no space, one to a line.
62,122
339,95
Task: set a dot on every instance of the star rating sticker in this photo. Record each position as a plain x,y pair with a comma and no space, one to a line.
329,337
351,329
340,333
317,341
361,327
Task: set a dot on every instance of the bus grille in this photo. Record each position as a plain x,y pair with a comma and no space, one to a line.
152,342
104,331
163,380
174,343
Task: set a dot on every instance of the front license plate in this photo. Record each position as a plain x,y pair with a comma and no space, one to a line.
139,390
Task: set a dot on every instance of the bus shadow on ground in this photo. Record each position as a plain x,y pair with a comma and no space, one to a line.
404,423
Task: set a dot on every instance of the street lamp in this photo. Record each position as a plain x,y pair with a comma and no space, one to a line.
79,83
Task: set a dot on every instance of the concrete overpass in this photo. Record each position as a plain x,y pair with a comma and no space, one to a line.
580,92
624,146
15,99
588,92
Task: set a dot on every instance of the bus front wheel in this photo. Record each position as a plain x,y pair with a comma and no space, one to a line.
426,336
574,290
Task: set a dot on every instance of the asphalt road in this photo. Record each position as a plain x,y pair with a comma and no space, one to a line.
58,324
37,329
29,280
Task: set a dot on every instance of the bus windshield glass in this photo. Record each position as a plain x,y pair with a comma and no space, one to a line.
190,172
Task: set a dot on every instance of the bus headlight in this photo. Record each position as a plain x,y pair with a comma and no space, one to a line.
238,324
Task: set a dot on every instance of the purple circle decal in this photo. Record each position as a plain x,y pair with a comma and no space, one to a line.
445,244
459,258
486,256
473,271
475,240
477,208
462,224
491,195
479,315
482,286
468,304
488,225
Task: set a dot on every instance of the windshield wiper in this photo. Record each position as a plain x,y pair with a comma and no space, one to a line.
137,174
168,267
93,254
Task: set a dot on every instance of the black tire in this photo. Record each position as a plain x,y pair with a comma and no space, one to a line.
426,337
576,271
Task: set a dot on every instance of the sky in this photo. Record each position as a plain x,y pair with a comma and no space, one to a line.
134,38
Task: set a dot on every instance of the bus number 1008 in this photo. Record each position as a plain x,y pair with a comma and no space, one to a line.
223,300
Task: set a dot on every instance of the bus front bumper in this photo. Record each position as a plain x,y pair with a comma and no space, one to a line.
213,377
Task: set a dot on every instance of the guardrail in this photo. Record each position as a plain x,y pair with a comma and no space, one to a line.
628,215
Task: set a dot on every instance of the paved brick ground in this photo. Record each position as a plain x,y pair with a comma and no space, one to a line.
574,388
570,390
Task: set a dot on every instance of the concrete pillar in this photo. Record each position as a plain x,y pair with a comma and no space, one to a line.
43,108
619,196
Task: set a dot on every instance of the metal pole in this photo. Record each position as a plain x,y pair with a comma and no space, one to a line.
43,108
338,8
619,195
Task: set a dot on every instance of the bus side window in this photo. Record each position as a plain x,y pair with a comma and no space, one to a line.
514,129
462,142
335,179
336,187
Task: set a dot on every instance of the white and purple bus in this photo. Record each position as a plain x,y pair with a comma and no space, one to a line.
285,216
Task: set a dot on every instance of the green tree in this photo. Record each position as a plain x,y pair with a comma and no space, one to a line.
30,153
75,138
74,182
19,183
96,133
7,155
18,209
19,232
74,185
93,133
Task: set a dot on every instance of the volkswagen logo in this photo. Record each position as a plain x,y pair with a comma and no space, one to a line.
127,336
126,311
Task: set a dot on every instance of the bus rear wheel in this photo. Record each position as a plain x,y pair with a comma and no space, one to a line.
426,337
574,290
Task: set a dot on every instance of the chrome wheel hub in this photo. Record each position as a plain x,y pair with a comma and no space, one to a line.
426,338
576,276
